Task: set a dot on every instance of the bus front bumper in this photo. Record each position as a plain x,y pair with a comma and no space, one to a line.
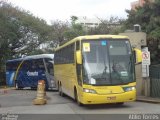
89,98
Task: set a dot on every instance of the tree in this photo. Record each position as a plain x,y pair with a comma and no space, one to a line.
148,16
64,31
20,32
75,29
74,19
58,30
111,26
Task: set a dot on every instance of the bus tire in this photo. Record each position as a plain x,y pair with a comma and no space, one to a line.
60,90
120,103
16,86
76,98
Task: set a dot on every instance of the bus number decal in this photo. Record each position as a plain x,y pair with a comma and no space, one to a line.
86,47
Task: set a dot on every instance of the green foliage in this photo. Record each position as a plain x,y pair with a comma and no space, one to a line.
148,17
74,19
20,32
74,31
110,26
59,29
64,31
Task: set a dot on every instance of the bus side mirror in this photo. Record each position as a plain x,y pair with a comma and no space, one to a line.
137,55
79,57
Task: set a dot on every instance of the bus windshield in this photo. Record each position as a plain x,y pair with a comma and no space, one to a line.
107,62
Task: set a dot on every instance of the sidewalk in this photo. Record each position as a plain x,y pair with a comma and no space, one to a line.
148,99
5,90
139,98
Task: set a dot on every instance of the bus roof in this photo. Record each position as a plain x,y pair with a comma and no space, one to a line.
89,37
33,57
40,56
15,60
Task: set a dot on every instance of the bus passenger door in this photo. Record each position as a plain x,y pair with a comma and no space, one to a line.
49,72
79,75
78,66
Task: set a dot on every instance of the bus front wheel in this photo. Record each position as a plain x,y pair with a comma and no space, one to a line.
120,103
76,98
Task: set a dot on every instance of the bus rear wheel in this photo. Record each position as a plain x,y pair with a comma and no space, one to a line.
16,86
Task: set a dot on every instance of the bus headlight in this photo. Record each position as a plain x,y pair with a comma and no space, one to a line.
126,89
89,91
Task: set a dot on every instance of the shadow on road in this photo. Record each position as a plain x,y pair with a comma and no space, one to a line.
106,106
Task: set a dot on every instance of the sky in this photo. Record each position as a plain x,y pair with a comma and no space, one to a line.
51,10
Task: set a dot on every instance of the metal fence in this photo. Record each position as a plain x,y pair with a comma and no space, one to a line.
2,79
155,81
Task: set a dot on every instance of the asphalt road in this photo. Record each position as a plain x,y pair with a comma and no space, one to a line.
20,102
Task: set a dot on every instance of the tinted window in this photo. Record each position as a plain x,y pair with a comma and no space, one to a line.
65,55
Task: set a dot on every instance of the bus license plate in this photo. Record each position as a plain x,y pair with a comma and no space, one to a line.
111,98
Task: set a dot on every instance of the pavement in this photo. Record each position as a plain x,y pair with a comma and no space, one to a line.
148,99
139,98
6,88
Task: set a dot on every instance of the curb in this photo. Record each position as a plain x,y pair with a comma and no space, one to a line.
148,100
4,91
6,88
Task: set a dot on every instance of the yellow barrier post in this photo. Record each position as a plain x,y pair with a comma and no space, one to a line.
40,99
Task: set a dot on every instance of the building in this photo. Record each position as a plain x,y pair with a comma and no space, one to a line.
88,22
139,3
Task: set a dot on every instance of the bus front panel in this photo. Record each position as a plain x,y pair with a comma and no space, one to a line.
107,94
108,70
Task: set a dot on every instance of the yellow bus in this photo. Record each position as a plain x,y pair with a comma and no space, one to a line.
96,69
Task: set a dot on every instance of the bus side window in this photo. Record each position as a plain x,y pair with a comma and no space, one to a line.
40,64
34,65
